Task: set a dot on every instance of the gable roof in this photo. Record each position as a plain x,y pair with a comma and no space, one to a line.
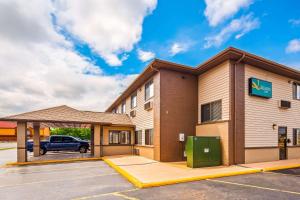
230,53
66,114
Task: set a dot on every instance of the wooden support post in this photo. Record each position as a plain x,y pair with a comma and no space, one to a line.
97,141
92,140
21,142
36,140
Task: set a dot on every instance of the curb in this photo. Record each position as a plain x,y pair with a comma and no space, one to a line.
125,174
140,184
267,169
7,148
198,178
50,162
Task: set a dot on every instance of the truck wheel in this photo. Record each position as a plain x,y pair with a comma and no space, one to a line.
43,151
82,149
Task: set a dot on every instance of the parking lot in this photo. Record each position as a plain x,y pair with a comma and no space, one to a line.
96,180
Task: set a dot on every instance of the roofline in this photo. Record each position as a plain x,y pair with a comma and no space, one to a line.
235,54
147,73
64,122
230,53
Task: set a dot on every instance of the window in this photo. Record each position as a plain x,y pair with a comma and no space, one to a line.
133,100
149,90
119,137
211,111
68,140
123,108
296,91
56,139
296,136
149,137
138,137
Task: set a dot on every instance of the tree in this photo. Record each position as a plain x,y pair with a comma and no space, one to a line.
82,133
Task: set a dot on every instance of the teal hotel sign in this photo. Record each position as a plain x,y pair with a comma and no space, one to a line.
260,88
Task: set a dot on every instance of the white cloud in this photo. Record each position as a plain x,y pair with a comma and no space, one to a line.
110,27
294,22
219,10
39,67
145,56
177,48
293,46
237,27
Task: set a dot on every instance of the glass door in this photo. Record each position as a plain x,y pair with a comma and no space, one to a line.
282,141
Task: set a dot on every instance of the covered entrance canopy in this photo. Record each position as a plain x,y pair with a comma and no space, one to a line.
65,117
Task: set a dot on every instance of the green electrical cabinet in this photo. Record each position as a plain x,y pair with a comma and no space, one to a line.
203,151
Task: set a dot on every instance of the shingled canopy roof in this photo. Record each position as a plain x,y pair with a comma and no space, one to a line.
64,116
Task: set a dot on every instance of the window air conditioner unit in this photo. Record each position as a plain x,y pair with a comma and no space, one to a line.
148,105
133,113
284,104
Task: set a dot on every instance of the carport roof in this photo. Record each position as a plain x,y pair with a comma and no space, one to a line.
66,114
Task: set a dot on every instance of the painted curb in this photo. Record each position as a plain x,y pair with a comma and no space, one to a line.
140,184
124,173
267,169
50,162
8,148
198,178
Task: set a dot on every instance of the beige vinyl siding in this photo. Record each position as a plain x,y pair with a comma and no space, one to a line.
261,114
144,119
213,85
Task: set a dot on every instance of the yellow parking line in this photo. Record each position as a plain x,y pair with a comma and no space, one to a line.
56,180
110,193
18,170
255,186
7,148
42,162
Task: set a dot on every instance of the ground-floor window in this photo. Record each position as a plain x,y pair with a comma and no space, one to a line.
296,136
149,137
211,111
119,137
139,137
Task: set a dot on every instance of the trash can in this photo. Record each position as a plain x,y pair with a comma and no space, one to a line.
203,151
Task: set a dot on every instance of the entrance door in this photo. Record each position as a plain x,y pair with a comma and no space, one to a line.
282,140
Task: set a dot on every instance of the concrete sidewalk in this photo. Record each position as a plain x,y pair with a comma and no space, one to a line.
274,165
143,172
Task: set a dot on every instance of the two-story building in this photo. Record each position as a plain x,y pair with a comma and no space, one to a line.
252,103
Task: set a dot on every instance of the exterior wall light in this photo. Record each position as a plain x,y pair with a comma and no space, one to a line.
274,126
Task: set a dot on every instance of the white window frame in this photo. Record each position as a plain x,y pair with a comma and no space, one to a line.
296,91
123,108
133,100
149,86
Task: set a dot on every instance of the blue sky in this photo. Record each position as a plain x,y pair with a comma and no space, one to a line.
85,53
185,22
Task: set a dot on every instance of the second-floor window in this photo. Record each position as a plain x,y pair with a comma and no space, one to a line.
296,91
123,108
149,90
211,111
133,101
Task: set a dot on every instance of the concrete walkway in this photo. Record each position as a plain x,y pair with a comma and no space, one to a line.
275,165
143,172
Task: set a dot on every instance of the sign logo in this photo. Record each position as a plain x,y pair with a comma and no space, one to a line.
260,88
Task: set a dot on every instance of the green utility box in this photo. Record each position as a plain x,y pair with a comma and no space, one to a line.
203,151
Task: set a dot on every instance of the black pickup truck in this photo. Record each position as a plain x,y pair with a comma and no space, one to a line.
61,143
